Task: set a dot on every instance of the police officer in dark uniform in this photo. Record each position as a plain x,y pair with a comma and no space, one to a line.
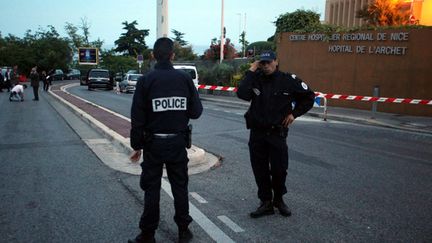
164,101
277,99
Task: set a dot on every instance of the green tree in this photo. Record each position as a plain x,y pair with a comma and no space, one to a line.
385,13
224,73
184,53
297,20
133,41
85,26
45,48
97,43
213,53
257,47
50,50
182,50
75,39
179,37
116,63
244,43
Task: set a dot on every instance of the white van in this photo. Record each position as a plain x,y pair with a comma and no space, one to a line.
189,68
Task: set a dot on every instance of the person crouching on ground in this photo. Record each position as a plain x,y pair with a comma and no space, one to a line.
17,92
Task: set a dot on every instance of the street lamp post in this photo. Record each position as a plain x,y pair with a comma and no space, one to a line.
244,30
222,34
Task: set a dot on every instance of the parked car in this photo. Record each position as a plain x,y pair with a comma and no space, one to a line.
99,78
73,74
128,84
190,69
4,69
57,75
118,77
132,71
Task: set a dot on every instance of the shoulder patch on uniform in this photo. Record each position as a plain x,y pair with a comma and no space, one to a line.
293,76
304,85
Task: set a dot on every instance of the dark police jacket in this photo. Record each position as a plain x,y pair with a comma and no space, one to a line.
164,101
272,98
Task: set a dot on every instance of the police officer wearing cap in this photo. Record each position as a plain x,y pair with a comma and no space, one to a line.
277,99
164,101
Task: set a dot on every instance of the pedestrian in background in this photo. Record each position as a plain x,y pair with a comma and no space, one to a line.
14,76
7,83
34,82
272,94
161,131
2,80
50,76
45,80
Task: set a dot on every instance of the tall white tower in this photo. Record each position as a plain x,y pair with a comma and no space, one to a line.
162,19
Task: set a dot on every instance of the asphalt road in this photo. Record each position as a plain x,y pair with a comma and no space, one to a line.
53,188
346,182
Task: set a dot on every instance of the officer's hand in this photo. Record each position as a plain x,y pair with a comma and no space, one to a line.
254,66
135,156
288,120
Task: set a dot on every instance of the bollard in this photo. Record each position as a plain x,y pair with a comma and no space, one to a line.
375,104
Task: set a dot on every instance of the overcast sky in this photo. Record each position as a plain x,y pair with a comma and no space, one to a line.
200,20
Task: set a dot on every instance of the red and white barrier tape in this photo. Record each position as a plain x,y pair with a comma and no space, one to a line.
377,99
338,96
213,87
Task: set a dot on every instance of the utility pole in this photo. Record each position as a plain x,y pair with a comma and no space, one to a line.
244,30
240,19
222,34
162,19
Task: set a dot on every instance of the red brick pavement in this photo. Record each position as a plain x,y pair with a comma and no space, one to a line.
117,124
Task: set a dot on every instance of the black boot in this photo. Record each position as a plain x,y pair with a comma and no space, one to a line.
266,208
282,207
143,238
185,236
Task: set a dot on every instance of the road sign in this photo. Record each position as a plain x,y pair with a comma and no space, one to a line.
88,56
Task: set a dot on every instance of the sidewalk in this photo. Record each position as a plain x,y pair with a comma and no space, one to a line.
402,122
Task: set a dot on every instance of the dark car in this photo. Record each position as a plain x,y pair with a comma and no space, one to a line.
99,78
118,77
73,74
57,75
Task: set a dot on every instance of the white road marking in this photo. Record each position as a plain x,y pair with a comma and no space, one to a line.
198,197
230,224
206,224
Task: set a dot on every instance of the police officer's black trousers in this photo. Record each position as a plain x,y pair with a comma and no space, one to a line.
172,152
269,158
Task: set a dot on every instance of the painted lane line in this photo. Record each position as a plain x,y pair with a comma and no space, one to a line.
206,224
198,197
230,224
